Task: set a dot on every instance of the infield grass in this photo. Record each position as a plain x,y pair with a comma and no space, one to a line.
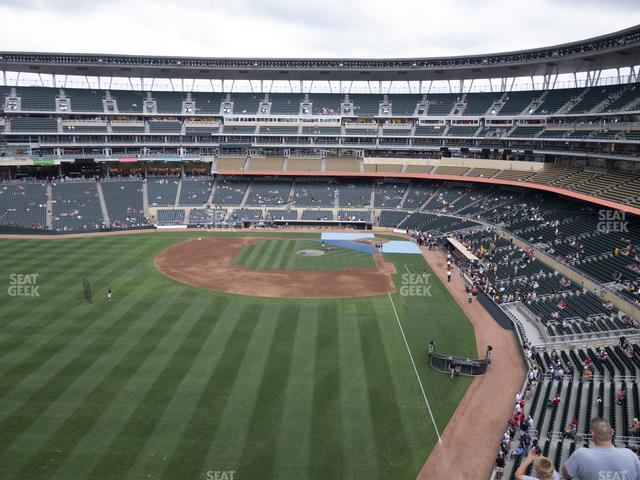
282,254
172,381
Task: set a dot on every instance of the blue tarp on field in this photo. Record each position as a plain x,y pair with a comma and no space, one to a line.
400,246
360,247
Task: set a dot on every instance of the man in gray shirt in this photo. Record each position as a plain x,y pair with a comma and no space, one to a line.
604,461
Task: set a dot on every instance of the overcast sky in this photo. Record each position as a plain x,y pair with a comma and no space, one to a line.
302,28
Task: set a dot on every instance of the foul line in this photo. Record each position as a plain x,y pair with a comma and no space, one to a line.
424,395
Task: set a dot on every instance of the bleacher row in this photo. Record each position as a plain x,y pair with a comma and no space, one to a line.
541,102
509,274
589,382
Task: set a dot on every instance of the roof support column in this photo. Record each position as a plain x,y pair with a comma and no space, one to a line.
4,78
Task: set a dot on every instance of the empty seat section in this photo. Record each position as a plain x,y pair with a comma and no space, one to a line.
76,206
123,199
23,204
195,191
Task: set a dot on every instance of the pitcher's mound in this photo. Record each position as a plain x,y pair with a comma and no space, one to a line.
209,264
310,253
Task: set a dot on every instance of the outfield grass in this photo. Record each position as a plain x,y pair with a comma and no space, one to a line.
281,254
171,381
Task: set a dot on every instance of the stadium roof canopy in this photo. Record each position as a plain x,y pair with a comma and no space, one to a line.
614,50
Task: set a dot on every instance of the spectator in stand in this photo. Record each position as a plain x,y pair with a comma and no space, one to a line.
542,468
571,429
605,461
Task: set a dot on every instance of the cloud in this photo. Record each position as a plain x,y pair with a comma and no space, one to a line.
296,28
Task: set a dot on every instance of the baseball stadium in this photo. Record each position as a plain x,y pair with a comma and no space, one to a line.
318,268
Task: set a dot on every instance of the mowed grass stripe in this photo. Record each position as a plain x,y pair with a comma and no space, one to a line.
99,398
187,460
63,315
293,445
258,457
279,253
145,397
289,262
45,398
288,254
382,398
327,457
40,358
361,460
61,259
169,429
231,433
64,272
46,318
62,378
266,259
256,250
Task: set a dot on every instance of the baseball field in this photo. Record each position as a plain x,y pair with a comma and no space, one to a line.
188,373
